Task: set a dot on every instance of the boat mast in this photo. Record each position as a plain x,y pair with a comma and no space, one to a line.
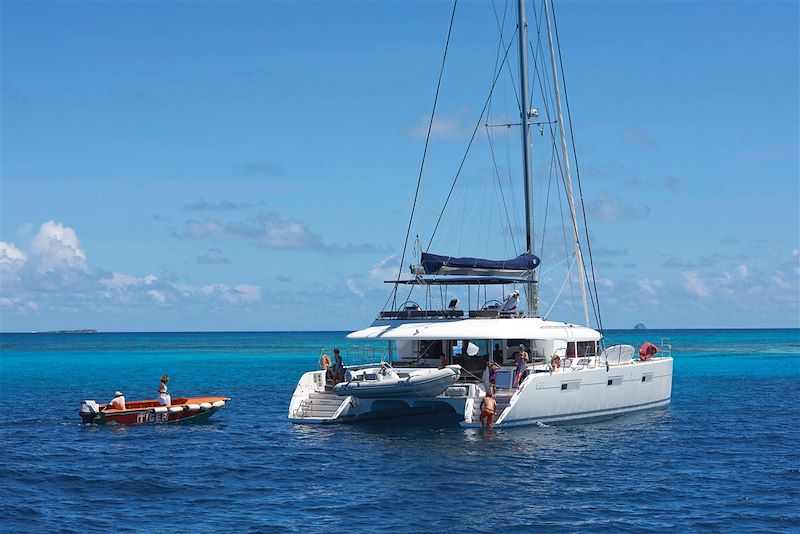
568,176
532,294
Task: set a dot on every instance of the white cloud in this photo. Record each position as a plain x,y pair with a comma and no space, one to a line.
694,285
119,280
742,271
158,296
55,274
56,245
269,230
650,287
353,287
11,255
248,293
213,256
386,269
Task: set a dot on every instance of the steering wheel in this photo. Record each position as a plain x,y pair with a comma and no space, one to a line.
410,304
493,301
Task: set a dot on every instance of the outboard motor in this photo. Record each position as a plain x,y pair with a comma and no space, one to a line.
89,411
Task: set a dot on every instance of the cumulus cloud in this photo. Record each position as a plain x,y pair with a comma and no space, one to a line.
213,256
241,293
55,274
694,284
352,285
386,269
269,230
120,281
611,208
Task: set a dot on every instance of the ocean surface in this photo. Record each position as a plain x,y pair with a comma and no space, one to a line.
723,457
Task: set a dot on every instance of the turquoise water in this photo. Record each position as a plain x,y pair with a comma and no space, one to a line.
724,456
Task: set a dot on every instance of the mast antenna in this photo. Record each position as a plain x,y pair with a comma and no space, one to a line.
532,294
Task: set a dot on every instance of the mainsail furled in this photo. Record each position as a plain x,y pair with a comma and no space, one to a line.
436,264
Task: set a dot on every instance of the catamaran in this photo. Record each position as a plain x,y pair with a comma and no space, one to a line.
441,358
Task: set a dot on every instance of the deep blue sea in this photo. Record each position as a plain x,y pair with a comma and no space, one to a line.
723,457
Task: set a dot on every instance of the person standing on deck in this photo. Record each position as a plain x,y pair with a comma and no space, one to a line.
338,367
164,398
522,364
325,365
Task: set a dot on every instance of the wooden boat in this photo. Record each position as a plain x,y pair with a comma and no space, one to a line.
194,409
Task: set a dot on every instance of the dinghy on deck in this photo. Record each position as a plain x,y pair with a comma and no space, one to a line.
193,409
384,381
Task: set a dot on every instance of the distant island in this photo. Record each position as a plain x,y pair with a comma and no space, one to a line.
640,326
81,331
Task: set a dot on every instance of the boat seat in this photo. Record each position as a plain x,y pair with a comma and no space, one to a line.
618,354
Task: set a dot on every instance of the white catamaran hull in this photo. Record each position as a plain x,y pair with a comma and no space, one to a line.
561,396
587,394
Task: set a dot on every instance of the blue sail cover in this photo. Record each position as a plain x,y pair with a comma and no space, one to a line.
436,264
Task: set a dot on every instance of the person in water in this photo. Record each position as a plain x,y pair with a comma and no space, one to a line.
338,367
118,402
164,398
488,407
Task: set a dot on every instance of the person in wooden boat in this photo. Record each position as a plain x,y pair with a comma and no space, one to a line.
488,407
118,402
338,367
164,398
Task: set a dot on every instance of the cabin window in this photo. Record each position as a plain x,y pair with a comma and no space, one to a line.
586,349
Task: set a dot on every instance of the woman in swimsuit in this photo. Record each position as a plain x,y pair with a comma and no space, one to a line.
493,367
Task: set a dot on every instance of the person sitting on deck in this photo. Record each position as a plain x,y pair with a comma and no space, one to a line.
338,367
511,302
488,407
118,402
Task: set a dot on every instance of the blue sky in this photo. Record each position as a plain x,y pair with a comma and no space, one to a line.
251,165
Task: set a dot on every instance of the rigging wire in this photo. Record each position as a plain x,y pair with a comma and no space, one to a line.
425,151
578,176
469,146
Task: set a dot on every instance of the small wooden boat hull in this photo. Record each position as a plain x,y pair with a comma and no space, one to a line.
191,409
